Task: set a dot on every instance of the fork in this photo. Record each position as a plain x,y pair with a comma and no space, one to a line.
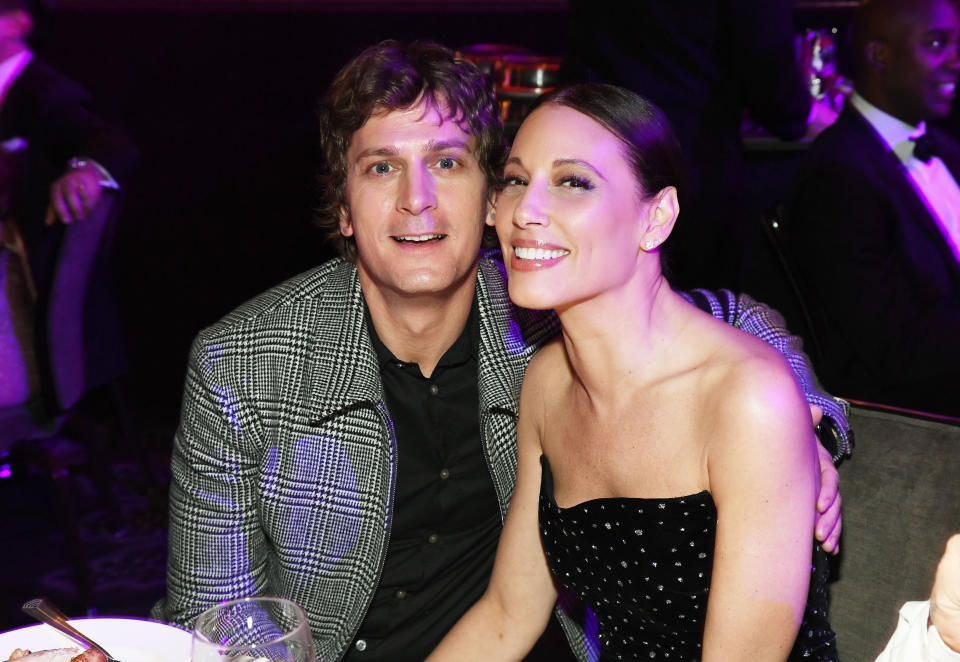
46,612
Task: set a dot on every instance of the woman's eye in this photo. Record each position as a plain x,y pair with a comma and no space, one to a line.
513,180
573,181
381,168
446,163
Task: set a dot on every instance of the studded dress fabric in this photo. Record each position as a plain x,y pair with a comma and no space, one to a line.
643,566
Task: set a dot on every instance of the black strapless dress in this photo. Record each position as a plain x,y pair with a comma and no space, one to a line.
643,567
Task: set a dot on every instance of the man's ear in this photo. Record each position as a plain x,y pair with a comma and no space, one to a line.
491,215
877,54
346,225
662,213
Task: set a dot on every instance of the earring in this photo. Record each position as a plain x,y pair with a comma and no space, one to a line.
493,215
650,244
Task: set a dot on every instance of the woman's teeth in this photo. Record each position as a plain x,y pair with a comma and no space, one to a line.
538,253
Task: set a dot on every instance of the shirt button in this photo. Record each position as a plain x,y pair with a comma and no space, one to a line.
444,474
400,595
361,645
432,538
434,389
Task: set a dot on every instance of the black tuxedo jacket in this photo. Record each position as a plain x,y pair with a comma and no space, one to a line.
50,114
880,278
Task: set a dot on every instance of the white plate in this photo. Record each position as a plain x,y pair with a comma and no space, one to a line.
127,639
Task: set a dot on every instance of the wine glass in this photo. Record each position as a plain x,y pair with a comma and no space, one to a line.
260,628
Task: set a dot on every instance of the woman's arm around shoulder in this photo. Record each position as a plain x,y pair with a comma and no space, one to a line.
507,620
765,495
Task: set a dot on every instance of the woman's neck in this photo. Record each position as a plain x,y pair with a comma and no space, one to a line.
622,338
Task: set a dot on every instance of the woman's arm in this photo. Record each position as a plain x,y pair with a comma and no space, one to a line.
764,493
506,622
835,436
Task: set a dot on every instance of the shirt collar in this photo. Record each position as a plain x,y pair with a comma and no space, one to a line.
462,349
897,134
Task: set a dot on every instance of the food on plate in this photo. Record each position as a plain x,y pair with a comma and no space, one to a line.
57,655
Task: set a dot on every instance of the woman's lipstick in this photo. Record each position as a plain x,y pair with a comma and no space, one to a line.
531,255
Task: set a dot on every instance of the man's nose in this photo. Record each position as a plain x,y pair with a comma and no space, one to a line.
418,192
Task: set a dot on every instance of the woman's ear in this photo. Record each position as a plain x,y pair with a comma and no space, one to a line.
662,214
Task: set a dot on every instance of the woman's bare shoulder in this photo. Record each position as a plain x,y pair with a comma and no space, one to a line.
746,382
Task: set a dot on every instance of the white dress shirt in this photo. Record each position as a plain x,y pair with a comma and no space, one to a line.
913,641
932,181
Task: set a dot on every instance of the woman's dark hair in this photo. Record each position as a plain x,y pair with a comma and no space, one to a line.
395,76
649,143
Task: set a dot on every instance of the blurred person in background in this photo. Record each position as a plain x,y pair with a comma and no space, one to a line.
929,631
61,162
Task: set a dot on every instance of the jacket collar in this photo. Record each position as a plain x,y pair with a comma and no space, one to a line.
342,370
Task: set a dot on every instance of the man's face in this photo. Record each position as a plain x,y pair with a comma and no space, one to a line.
416,202
922,64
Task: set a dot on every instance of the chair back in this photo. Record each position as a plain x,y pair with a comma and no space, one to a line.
71,316
794,306
901,501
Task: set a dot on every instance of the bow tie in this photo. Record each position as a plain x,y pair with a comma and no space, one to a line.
925,147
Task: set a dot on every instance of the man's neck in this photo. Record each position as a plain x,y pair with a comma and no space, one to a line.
882,102
419,329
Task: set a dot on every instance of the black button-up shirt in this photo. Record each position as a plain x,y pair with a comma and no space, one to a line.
446,519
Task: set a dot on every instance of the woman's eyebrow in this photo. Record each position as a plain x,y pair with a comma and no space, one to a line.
578,162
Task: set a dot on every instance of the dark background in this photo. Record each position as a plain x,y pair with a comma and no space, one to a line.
221,104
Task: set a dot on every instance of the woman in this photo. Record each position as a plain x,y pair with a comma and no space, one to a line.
664,457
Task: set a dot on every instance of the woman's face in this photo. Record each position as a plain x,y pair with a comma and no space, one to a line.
570,218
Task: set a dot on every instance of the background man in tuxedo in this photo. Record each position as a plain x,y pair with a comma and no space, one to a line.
874,219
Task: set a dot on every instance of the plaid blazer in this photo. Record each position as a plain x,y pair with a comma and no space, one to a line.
284,463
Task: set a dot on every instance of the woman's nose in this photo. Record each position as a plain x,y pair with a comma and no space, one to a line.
530,209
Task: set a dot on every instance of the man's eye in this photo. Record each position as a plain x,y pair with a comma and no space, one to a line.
937,42
446,163
382,168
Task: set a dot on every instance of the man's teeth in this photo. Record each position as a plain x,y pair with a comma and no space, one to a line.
417,238
538,253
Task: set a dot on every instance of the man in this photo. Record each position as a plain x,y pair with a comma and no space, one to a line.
874,220
930,631
59,159
348,439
